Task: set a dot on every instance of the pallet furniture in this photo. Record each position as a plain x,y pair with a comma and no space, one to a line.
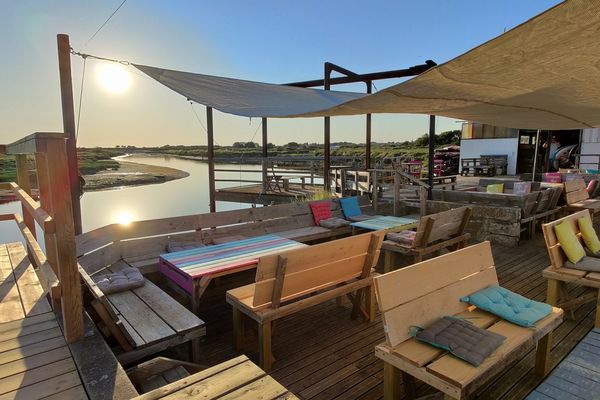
140,243
421,294
475,167
577,376
237,378
577,197
558,275
298,279
434,233
159,372
193,270
499,161
143,321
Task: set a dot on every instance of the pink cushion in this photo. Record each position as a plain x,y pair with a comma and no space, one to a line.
406,238
321,210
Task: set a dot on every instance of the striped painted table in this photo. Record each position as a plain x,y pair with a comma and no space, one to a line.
387,223
192,270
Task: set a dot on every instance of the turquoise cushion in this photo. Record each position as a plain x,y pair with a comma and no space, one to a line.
509,305
350,206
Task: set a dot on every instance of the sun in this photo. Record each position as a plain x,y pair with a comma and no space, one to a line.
113,77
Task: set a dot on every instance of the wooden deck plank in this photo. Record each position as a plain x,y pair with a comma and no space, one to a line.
45,388
36,375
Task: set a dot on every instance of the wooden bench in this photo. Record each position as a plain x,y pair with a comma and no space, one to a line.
144,320
297,279
577,197
434,233
558,275
421,294
475,167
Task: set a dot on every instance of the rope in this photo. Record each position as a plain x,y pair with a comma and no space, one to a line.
84,55
80,99
104,24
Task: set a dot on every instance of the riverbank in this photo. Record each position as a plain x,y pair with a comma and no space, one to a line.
131,174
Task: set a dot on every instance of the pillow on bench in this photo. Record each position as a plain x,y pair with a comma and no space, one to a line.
591,263
495,188
569,242
127,278
350,207
333,223
321,210
590,238
461,338
405,238
509,305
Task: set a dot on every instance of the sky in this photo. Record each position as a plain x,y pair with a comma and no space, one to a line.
274,41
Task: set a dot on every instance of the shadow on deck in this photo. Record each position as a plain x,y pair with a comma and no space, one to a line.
321,353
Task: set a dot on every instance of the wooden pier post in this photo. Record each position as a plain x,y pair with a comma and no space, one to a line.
68,113
211,159
327,133
265,154
368,133
431,151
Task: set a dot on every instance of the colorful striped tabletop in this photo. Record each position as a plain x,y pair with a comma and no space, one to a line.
221,257
386,222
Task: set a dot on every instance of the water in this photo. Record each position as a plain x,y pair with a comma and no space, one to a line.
175,198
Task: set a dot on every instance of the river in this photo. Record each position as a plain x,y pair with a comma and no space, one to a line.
174,198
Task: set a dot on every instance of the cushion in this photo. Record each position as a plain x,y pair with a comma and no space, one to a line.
591,263
173,247
127,278
461,338
406,238
333,222
521,187
321,210
591,186
350,206
509,305
569,242
495,188
590,238
361,217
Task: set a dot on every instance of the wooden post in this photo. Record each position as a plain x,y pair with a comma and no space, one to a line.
368,133
46,203
431,150
25,184
327,133
68,273
265,154
68,113
211,159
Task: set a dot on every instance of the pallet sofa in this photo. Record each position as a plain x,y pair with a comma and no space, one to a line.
577,197
558,275
298,279
422,293
434,233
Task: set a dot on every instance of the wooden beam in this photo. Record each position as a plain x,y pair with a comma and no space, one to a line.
31,144
46,204
211,159
326,133
38,213
25,184
68,273
265,154
68,114
431,152
368,133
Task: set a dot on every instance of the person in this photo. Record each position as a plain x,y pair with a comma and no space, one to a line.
554,146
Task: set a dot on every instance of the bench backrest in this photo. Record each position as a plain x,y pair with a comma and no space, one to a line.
295,273
575,191
442,226
556,254
420,294
526,202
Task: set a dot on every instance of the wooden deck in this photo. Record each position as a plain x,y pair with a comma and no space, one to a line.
577,376
320,353
35,361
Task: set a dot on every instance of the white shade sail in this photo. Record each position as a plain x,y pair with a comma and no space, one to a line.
543,74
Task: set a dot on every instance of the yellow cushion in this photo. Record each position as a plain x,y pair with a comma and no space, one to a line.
589,234
496,188
569,242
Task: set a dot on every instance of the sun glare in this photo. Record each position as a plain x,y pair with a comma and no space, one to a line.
113,77
124,218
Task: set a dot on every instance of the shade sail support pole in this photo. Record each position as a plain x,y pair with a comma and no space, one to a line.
368,132
265,154
211,159
431,151
68,114
535,154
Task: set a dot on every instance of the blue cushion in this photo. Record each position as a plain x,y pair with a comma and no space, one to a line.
509,305
350,206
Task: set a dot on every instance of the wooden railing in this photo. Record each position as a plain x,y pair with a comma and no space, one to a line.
54,214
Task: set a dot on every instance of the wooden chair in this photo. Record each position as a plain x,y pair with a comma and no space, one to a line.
434,233
577,197
144,320
558,275
421,294
297,279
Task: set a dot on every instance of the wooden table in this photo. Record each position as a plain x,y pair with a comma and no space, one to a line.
192,270
237,378
388,223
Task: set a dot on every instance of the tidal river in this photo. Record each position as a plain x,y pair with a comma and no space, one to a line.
184,196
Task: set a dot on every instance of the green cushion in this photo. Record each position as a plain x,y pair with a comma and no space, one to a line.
589,234
569,242
495,188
